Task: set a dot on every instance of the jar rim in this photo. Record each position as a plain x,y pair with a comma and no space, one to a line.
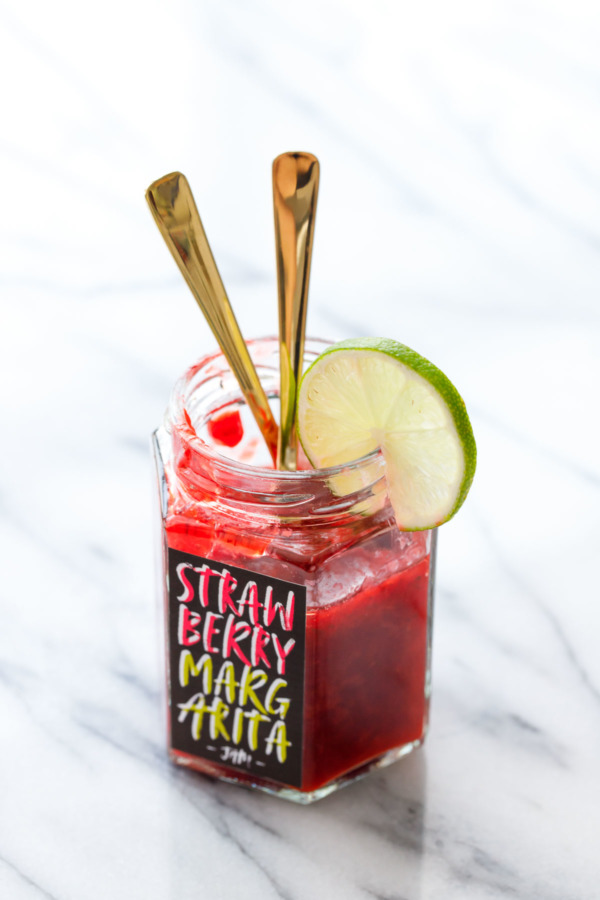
178,414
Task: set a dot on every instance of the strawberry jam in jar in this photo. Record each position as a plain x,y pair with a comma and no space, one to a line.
297,615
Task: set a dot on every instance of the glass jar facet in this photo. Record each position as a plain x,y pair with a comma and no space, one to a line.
298,616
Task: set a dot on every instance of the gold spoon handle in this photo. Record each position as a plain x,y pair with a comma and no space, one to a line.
172,204
295,191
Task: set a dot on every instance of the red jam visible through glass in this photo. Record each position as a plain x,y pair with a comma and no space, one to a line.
357,710
226,428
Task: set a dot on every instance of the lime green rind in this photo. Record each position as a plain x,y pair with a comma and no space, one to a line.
440,382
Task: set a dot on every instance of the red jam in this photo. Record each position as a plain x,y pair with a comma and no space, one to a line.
356,711
226,428
366,660
366,588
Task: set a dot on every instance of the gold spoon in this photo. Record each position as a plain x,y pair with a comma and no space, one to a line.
172,204
295,191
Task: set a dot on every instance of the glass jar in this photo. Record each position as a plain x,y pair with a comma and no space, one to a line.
298,617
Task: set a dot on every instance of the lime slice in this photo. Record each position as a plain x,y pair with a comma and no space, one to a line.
360,395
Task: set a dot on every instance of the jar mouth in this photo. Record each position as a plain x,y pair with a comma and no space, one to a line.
301,475
338,495
214,366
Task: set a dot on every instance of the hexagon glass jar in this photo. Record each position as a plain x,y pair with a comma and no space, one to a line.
297,615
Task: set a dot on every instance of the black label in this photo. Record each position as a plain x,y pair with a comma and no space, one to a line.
236,655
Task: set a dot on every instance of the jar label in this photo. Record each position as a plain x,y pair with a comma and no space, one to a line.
236,655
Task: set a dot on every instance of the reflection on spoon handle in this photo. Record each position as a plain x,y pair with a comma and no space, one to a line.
172,204
295,191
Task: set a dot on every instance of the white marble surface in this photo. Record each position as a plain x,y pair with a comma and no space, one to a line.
459,213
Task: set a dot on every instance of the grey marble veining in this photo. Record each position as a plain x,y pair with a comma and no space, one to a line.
459,213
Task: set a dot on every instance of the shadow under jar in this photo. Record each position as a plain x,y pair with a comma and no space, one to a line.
298,616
